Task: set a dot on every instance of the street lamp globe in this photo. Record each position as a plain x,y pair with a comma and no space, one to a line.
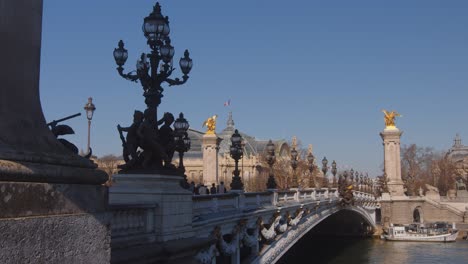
155,26
181,125
236,138
167,51
186,63
324,165
89,107
334,169
142,63
120,54
187,142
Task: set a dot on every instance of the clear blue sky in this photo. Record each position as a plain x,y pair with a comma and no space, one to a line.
320,70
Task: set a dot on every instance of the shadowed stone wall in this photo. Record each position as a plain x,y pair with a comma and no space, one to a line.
52,203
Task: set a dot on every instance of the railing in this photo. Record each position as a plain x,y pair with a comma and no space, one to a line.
130,222
241,202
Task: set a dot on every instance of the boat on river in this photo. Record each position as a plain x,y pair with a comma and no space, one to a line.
435,232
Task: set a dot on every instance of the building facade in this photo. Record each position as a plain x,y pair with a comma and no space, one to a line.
251,166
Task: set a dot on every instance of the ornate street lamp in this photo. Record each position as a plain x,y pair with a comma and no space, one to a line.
294,163
361,183
366,183
311,161
89,108
333,171
356,180
182,141
152,70
361,176
182,144
271,183
371,184
236,153
325,170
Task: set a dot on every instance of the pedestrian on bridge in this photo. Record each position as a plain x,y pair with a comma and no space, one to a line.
213,189
202,190
221,188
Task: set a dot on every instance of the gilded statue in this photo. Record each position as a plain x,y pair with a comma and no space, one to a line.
390,118
210,124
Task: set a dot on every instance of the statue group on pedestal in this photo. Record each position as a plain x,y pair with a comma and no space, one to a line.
146,145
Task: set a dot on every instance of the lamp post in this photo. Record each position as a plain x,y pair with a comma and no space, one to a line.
236,154
89,108
310,161
182,144
152,70
271,183
181,139
356,180
333,171
325,170
242,161
294,162
366,184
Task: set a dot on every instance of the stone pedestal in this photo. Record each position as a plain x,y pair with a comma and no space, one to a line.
53,223
392,161
210,159
173,211
52,206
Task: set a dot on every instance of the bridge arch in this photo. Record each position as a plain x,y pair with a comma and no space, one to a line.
279,248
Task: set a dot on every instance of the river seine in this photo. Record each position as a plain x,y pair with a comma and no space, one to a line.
350,250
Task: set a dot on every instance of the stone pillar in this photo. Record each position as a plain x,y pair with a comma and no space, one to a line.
210,159
173,216
52,206
392,162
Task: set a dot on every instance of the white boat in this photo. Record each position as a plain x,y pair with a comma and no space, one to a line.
437,232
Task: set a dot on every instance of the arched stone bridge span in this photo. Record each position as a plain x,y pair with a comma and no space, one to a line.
261,227
226,228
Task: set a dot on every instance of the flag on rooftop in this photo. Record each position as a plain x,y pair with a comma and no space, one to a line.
227,103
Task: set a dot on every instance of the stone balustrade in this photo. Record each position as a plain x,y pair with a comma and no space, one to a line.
232,202
286,196
132,223
209,204
257,200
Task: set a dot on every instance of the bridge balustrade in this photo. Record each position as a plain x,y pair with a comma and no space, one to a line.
133,222
287,195
216,203
237,220
256,200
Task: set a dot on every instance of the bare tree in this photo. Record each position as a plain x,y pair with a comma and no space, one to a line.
420,166
109,163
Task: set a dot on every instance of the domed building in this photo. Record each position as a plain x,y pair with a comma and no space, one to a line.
250,165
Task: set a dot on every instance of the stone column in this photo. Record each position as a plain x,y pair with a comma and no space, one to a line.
52,206
210,159
392,162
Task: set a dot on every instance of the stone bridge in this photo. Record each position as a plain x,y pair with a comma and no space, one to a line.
225,228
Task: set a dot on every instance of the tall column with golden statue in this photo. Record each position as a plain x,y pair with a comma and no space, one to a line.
210,152
392,162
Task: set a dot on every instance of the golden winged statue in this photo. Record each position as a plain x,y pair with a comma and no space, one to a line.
390,118
210,124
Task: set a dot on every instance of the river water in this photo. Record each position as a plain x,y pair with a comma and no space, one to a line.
314,250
